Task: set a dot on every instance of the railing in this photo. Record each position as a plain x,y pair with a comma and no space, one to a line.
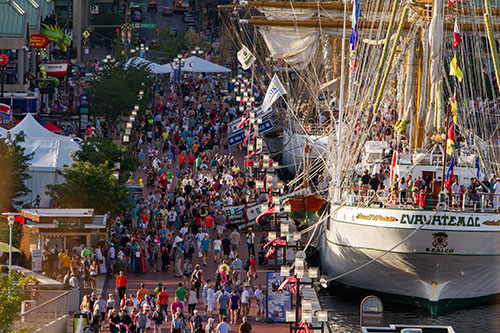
480,201
42,314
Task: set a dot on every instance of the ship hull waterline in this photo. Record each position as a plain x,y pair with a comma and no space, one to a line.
437,260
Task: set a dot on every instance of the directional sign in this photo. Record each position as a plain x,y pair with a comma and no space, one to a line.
148,25
238,137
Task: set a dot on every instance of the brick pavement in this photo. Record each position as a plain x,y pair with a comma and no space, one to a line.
171,282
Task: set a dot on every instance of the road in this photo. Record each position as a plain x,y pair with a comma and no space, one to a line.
174,21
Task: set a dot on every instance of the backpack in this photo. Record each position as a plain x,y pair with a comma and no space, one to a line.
247,265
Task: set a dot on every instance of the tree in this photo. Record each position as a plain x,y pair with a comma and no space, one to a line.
89,185
115,93
14,164
13,291
102,150
170,45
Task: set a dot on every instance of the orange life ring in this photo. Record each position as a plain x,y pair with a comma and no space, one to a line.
392,199
329,129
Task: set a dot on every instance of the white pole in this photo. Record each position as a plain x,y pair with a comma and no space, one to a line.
341,110
11,223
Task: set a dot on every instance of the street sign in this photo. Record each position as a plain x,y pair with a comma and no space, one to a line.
94,9
3,59
239,136
86,34
148,25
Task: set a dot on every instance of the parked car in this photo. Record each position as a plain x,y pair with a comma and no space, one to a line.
172,32
135,9
137,16
167,11
152,7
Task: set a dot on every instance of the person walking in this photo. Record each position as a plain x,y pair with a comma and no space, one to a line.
177,324
121,284
222,302
205,248
245,326
234,304
245,300
178,260
250,236
192,300
196,321
162,300
158,318
223,327
141,321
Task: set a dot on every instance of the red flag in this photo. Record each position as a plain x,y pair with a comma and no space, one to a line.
304,325
270,252
20,219
291,279
242,123
293,289
393,165
280,241
456,35
269,211
453,2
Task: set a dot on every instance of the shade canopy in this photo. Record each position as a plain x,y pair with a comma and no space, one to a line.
4,247
51,127
150,65
196,65
32,129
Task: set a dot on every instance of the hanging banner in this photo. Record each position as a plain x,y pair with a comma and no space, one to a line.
236,212
5,114
245,57
278,301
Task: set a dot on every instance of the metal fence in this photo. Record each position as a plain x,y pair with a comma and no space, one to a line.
46,312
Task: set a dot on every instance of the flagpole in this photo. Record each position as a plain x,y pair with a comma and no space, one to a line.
341,111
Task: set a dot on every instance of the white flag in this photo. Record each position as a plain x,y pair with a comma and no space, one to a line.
274,91
246,58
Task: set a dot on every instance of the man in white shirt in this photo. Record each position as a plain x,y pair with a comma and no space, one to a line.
245,300
223,327
172,216
259,296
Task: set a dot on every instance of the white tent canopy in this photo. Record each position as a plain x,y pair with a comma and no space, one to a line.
196,65
50,152
33,129
152,66
3,132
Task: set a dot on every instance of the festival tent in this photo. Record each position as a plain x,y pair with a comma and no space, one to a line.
50,152
3,132
196,65
152,66
51,127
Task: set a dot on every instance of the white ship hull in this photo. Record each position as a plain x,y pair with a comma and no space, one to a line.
454,256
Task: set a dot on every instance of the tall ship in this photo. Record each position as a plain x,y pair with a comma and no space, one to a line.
412,139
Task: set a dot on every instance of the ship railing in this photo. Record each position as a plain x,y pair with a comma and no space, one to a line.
45,313
473,202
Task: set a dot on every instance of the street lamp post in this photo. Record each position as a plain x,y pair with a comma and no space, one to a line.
11,219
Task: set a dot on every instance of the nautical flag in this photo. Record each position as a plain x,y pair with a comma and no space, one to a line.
274,91
253,153
450,140
293,289
270,196
455,70
291,279
454,108
270,210
356,13
393,165
456,35
305,327
453,2
245,57
280,241
449,174
478,166
243,121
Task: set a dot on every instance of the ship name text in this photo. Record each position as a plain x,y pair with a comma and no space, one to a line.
460,221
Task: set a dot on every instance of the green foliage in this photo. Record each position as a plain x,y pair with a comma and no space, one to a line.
102,150
13,291
13,172
170,45
115,93
89,186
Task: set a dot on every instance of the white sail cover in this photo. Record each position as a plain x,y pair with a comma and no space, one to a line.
296,47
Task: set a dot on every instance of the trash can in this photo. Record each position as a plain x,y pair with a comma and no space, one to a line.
79,322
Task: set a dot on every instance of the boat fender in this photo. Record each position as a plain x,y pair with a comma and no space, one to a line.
442,204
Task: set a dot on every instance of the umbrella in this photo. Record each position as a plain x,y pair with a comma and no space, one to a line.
4,247
51,127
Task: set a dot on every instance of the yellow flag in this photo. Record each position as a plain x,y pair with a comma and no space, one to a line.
455,70
454,108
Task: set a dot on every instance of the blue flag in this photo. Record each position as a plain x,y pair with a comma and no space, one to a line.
478,166
449,174
356,13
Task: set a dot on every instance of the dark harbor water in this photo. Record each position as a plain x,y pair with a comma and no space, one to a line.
343,309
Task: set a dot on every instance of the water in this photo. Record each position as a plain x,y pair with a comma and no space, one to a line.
343,310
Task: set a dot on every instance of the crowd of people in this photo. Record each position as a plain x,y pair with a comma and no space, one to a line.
178,227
